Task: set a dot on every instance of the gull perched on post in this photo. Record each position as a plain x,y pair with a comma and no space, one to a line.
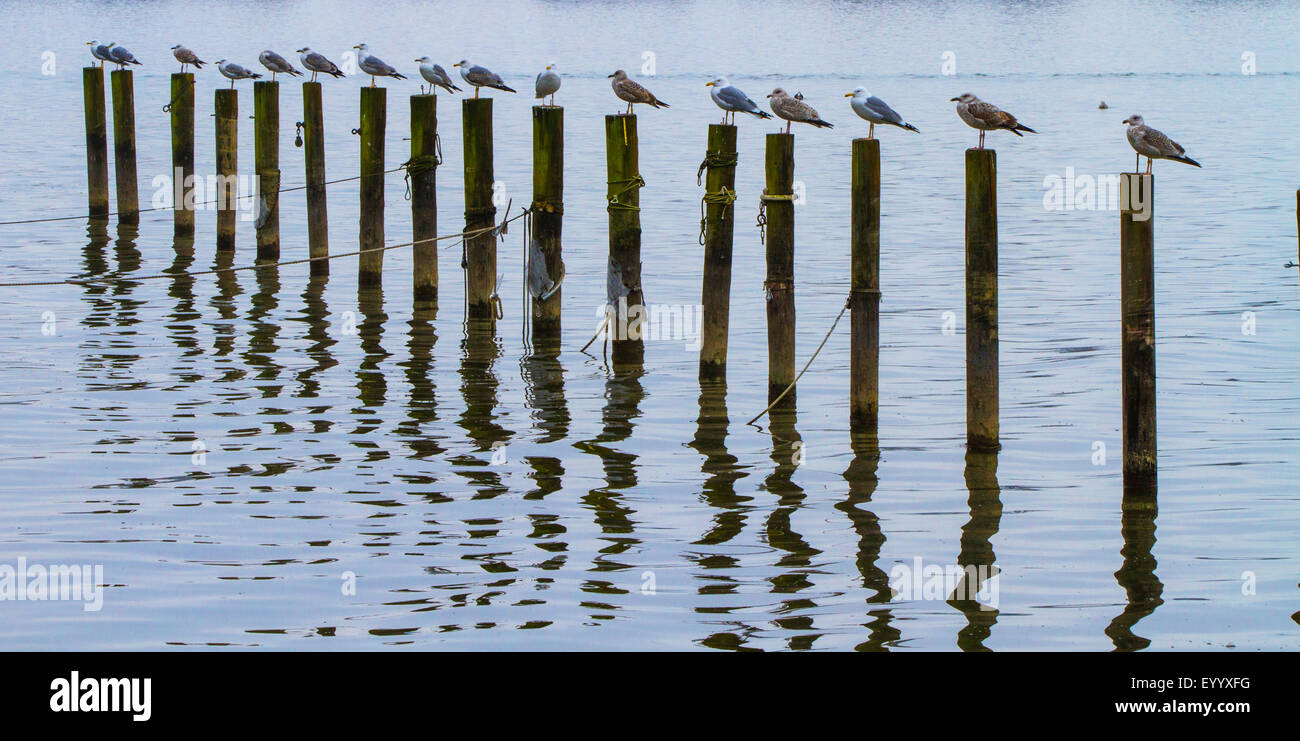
435,75
232,72
732,100
187,57
548,81
480,76
316,62
374,66
633,92
875,111
1154,145
987,117
794,109
277,64
121,55
100,51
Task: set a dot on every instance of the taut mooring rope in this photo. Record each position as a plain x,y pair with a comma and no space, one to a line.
817,352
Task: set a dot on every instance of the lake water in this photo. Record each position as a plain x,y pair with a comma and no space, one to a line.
349,497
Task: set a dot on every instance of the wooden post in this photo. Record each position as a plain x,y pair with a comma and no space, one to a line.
370,268
982,300
422,170
266,158
623,166
226,105
182,110
548,211
719,227
864,297
480,213
313,138
1138,343
128,187
779,209
92,92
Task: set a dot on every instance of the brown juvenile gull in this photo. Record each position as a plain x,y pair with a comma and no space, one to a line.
987,117
316,62
186,57
1154,145
633,92
277,64
794,109
480,76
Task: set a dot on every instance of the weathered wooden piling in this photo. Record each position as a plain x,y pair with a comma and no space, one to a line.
1138,343
864,282
182,113
226,106
266,159
981,300
623,192
374,114
128,187
719,228
313,138
422,171
778,208
548,212
480,214
92,92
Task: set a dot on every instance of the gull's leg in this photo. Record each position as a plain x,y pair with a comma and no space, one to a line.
871,131
1149,163
1137,162
981,140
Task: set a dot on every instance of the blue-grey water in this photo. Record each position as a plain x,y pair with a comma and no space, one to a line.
257,459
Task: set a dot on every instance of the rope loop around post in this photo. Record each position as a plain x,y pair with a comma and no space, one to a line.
417,165
725,197
762,211
712,159
632,183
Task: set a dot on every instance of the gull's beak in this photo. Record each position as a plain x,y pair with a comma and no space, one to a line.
608,76
708,84
954,100
457,64
848,95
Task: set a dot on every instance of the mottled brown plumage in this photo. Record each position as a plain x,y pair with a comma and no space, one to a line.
633,92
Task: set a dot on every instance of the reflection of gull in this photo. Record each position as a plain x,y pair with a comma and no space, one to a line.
548,82
435,75
987,117
480,76
1154,145
233,72
316,62
186,57
633,92
374,66
732,100
794,109
277,64
876,111
121,55
100,51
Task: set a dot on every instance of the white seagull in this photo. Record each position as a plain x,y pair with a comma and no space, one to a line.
1154,145
435,75
374,66
480,76
121,55
316,62
100,51
548,81
875,111
232,72
732,100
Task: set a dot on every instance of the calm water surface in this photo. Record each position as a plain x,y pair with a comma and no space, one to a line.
482,496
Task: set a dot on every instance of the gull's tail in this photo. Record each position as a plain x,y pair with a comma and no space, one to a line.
398,75
656,103
761,114
505,87
1186,160
198,63
336,72
1021,127
822,124
908,126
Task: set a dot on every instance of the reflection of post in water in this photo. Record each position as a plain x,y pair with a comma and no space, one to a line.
264,329
722,472
976,557
478,387
128,256
372,385
788,454
225,332
862,480
94,262
623,395
544,394
185,316
1137,573
315,313
422,406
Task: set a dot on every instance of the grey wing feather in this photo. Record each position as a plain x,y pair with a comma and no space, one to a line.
733,97
882,109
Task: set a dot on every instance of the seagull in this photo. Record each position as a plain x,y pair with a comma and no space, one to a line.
374,66
875,111
794,109
480,76
186,57
232,72
1154,145
100,51
548,81
732,100
435,75
277,64
316,62
121,55
987,117
630,90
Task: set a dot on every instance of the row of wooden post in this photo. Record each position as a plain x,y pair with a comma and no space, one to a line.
623,193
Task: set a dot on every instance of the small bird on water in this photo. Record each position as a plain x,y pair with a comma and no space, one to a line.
232,72
122,56
987,117
277,64
316,62
548,81
875,111
187,57
795,110
480,76
435,75
1153,145
732,100
100,51
374,66
633,92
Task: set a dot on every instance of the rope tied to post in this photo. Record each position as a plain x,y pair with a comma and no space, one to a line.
806,366
419,165
712,159
630,184
725,197
762,212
